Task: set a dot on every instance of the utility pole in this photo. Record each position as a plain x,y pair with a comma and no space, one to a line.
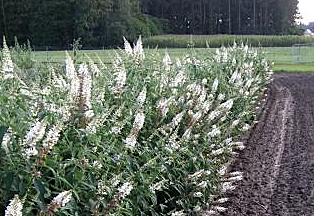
4,19
229,17
239,16
254,16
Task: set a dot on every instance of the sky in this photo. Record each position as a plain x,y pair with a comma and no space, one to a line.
307,9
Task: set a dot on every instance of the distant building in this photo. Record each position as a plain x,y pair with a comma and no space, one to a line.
308,32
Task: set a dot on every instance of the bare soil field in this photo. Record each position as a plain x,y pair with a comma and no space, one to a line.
278,159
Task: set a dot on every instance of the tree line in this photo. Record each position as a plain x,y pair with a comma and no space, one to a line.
103,22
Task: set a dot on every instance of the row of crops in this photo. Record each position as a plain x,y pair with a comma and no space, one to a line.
145,135
213,41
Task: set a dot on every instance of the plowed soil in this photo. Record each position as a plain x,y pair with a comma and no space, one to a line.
278,160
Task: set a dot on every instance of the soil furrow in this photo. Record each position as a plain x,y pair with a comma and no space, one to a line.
278,161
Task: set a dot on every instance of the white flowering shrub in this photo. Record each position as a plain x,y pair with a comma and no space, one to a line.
146,135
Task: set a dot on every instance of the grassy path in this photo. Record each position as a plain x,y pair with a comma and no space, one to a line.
285,58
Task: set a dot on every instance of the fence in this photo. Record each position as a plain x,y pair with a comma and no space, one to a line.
302,53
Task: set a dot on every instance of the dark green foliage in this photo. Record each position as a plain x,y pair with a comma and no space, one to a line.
53,24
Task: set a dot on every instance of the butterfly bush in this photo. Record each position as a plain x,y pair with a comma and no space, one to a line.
147,134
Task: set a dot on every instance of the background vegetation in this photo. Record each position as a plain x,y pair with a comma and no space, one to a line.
101,23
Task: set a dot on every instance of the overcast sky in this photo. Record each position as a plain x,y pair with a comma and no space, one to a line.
307,9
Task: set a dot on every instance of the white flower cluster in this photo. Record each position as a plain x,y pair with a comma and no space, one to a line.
158,186
52,137
137,126
86,86
102,188
60,200
142,97
178,213
15,207
74,81
167,62
137,51
7,64
34,135
96,123
6,140
125,189
120,76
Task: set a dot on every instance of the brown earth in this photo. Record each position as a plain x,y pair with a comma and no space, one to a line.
278,160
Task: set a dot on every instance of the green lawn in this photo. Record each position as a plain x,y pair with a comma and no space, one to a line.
286,59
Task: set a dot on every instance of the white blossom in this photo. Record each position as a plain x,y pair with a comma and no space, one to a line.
167,62
206,106
102,188
187,134
177,119
222,171
237,145
227,186
214,86
214,132
125,189
15,207
228,140
127,46
227,105
219,208
235,122
197,208
97,165
96,123
214,114
7,64
120,76
94,68
179,79
52,137
86,85
178,213
173,144
89,114
58,81
142,97
163,106
6,140
139,121
138,49
246,127
61,200
35,134
157,186
218,152
203,184
116,130
235,178
221,200
73,79
196,175
220,97
236,173
131,141
233,77
198,194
